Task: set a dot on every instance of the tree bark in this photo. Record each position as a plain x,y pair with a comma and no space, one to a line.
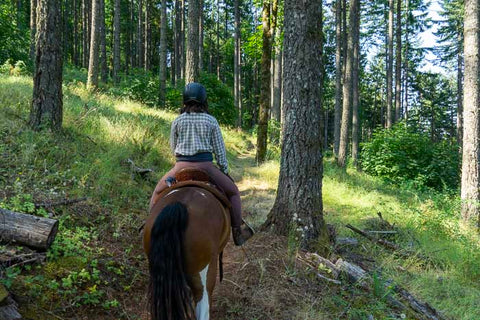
103,43
355,89
391,6
348,86
191,71
183,51
200,41
47,104
140,44
33,27
147,35
338,77
116,42
407,10
277,79
237,64
460,94
85,33
398,63
298,205
470,192
218,40
163,53
75,33
265,78
92,81
25,229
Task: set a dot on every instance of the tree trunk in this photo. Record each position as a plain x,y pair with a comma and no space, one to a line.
407,10
348,86
75,33
355,89
92,81
103,43
460,94
140,56
163,53
218,40
116,42
178,31
470,193
47,104
191,70
200,42
237,64
338,77
183,51
33,27
85,33
277,79
398,63
390,64
148,33
265,84
298,205
26,229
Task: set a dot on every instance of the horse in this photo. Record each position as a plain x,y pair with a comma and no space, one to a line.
184,237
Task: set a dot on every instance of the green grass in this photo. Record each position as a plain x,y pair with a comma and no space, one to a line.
89,159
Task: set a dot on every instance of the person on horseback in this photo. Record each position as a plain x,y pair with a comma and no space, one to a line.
194,138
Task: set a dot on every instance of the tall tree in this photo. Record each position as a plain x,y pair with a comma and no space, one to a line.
140,44
194,11
92,81
265,84
338,77
391,7
355,88
163,53
201,36
277,77
47,103
103,42
178,31
348,85
298,205
33,27
147,35
237,64
116,42
398,62
470,193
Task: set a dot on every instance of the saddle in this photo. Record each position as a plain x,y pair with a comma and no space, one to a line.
193,177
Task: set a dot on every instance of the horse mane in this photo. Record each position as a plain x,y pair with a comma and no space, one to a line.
170,297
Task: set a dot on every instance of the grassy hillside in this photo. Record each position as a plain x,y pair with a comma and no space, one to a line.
96,268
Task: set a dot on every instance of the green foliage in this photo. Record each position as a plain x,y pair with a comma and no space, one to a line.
220,99
14,35
400,155
14,69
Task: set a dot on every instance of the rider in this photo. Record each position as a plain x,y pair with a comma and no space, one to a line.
194,136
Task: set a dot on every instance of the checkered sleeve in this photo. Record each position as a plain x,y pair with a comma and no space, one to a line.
219,148
173,136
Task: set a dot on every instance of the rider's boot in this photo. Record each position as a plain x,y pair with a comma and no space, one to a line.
241,234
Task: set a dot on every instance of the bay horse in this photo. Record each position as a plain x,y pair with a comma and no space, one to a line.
184,235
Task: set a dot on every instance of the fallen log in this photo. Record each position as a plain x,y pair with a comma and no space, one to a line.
8,306
26,229
388,244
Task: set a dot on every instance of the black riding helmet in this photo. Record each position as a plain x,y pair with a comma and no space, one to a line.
194,92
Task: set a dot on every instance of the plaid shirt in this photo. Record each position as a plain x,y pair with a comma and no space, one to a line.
194,133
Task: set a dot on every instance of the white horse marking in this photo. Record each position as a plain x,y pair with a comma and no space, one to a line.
203,309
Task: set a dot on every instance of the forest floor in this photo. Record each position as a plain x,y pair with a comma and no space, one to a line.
96,268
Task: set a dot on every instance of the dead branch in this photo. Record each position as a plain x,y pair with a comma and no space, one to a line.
64,202
140,171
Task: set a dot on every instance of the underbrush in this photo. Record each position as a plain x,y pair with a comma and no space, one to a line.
96,267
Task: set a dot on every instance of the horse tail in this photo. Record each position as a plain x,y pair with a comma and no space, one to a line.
169,294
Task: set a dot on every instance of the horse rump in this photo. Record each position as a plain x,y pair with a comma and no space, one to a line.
170,296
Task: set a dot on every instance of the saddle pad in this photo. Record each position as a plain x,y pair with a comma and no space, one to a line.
200,184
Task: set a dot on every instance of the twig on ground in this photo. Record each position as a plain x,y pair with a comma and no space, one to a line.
63,202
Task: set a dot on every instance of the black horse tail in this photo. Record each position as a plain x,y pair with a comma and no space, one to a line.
170,296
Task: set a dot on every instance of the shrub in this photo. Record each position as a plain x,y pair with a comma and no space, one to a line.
220,99
400,155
